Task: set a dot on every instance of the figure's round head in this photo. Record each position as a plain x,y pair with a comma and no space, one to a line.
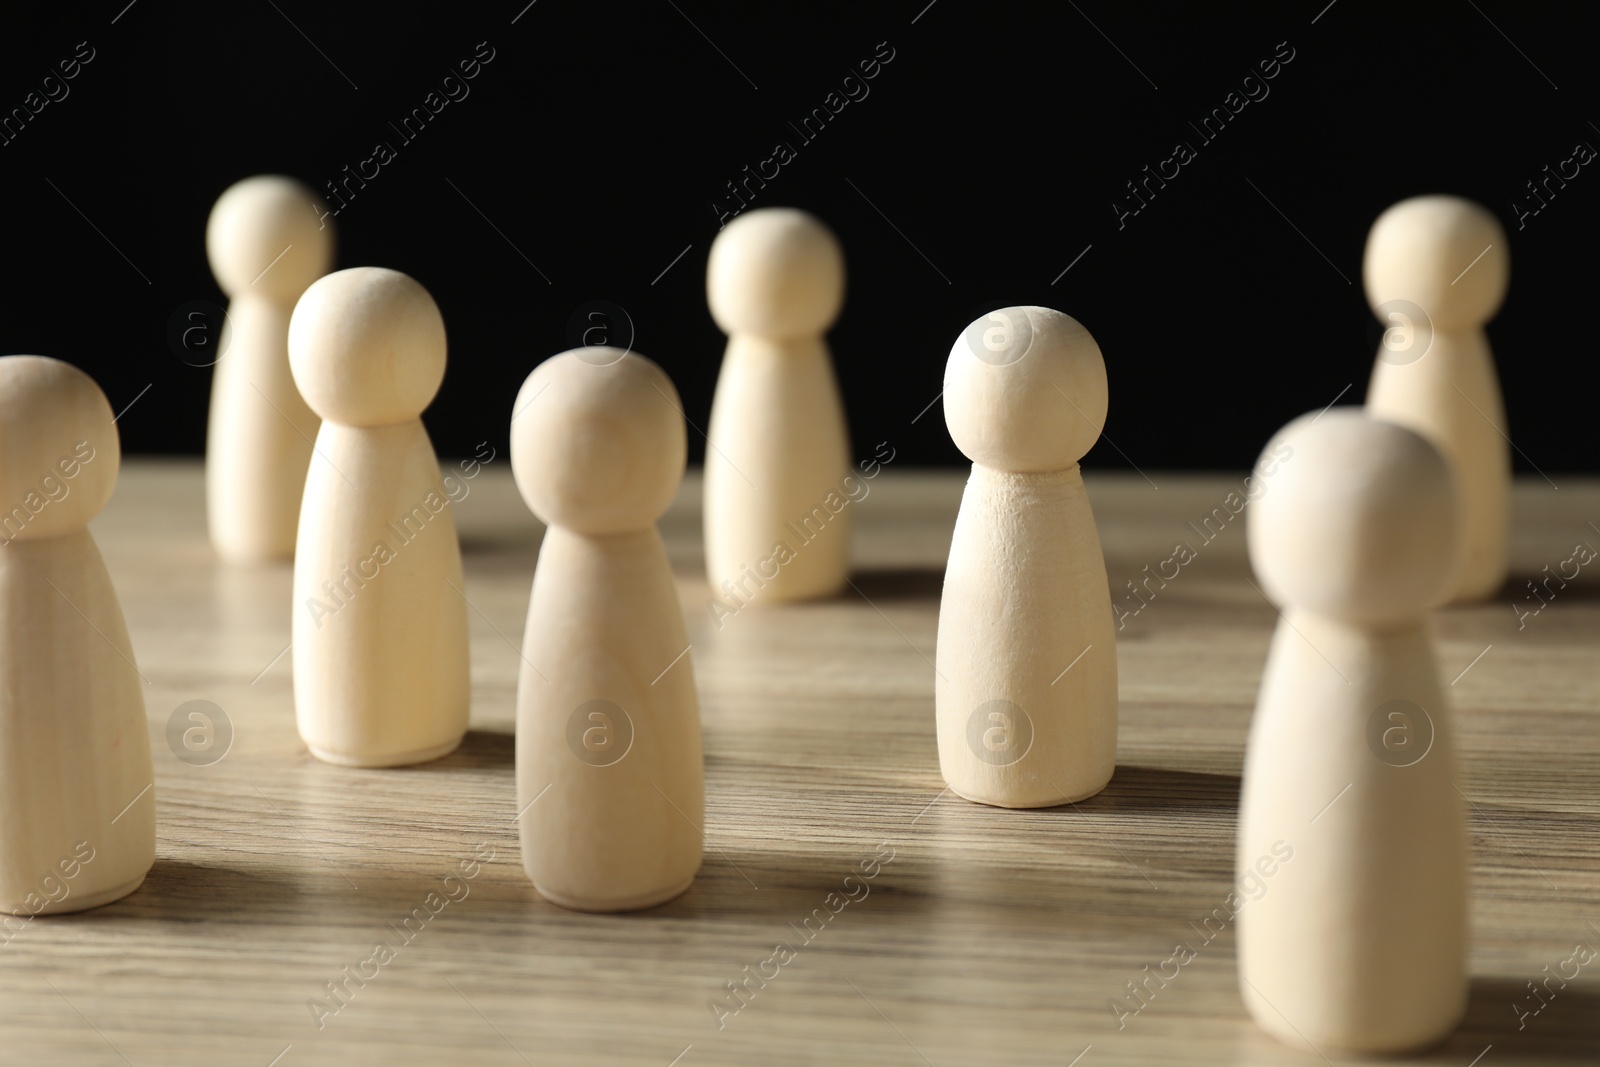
1025,390
777,273
367,347
59,452
269,234
597,441
1358,522
1444,255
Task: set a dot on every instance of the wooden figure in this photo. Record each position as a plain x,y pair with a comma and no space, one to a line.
266,245
1026,694
380,611
77,804
1359,944
1436,271
610,783
777,444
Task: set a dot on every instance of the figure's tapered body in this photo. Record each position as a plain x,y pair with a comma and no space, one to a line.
1436,270
1025,596
1357,943
379,625
264,251
258,444
778,444
777,409
1026,668
77,803
1452,397
610,781
1361,939
604,622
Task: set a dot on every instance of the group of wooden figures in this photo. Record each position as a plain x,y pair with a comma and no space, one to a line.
1362,523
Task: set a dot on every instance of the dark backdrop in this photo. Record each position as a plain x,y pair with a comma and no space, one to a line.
980,169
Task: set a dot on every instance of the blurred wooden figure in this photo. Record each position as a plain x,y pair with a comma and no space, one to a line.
1026,694
778,447
266,245
77,804
1359,944
1436,271
610,782
380,612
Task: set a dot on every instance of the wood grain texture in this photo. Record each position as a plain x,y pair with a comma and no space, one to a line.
991,937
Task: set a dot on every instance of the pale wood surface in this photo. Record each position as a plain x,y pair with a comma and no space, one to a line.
994,937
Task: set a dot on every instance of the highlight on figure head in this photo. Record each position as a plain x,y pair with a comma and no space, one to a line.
1025,390
775,273
59,452
264,235
367,347
1358,521
1443,255
597,441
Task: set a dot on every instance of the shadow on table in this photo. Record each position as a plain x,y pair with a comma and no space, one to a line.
1528,591
808,890
1566,1028
896,584
1164,790
479,749
181,892
516,545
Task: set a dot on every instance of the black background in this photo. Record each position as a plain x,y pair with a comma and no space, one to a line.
984,160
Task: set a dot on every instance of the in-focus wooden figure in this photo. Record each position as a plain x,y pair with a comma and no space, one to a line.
1026,689
610,781
778,446
77,807
266,245
380,616
1358,942
1436,271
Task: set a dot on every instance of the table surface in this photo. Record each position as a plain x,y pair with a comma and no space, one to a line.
992,937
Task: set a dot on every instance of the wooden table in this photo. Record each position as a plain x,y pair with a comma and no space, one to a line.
992,937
